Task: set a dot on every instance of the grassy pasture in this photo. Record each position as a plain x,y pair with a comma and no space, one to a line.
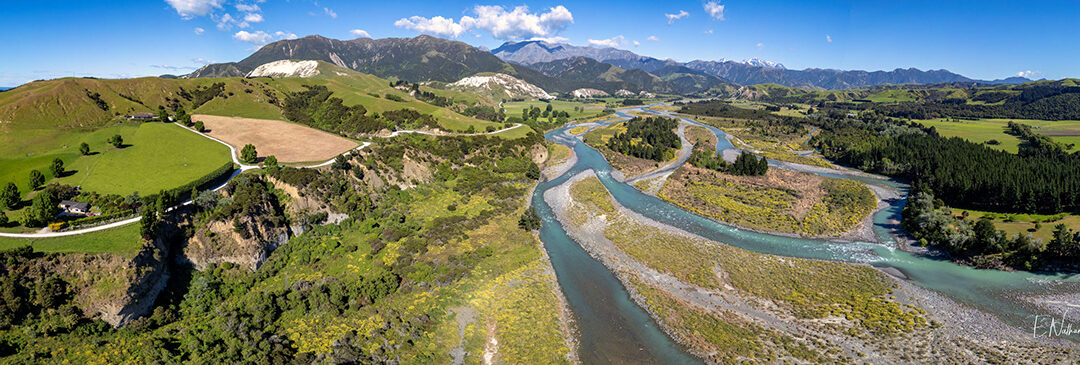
982,130
590,111
892,95
123,241
1014,224
157,156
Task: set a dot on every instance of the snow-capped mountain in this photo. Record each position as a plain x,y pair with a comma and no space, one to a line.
763,63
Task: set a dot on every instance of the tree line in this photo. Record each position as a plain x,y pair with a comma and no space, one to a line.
648,138
963,173
747,164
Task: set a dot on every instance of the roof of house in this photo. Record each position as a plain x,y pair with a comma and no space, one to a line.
75,204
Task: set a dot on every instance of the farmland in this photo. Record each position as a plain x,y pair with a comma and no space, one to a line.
288,142
155,156
584,110
984,130
123,241
1039,226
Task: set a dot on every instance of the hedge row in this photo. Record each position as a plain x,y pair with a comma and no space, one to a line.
98,219
183,191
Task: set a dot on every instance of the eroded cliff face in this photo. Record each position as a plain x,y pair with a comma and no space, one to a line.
220,242
112,287
245,231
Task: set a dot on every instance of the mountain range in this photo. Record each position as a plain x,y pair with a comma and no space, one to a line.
748,72
561,68
426,58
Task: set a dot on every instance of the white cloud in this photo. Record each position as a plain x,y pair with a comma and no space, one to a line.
247,8
1028,74
330,12
715,10
285,35
202,61
709,31
653,38
360,33
516,24
612,42
225,22
436,25
193,8
828,38
760,45
171,68
551,39
257,38
253,18
636,43
199,31
671,18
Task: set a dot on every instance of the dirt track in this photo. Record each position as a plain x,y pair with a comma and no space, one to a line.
287,141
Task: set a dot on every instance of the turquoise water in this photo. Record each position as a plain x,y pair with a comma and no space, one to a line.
615,330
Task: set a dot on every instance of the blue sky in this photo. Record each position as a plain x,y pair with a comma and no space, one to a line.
129,38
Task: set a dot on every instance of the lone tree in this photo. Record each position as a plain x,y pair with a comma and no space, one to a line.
116,141
163,114
200,127
57,167
10,197
37,179
148,223
42,210
248,154
183,117
529,221
270,162
84,149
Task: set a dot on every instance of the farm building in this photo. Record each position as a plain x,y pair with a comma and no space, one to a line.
75,207
141,116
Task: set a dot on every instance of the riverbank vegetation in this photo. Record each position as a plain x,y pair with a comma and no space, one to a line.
978,242
781,201
628,165
647,138
859,296
746,164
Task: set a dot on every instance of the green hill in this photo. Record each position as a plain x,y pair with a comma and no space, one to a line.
48,107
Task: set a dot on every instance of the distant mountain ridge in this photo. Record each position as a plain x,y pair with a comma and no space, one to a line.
748,72
426,58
